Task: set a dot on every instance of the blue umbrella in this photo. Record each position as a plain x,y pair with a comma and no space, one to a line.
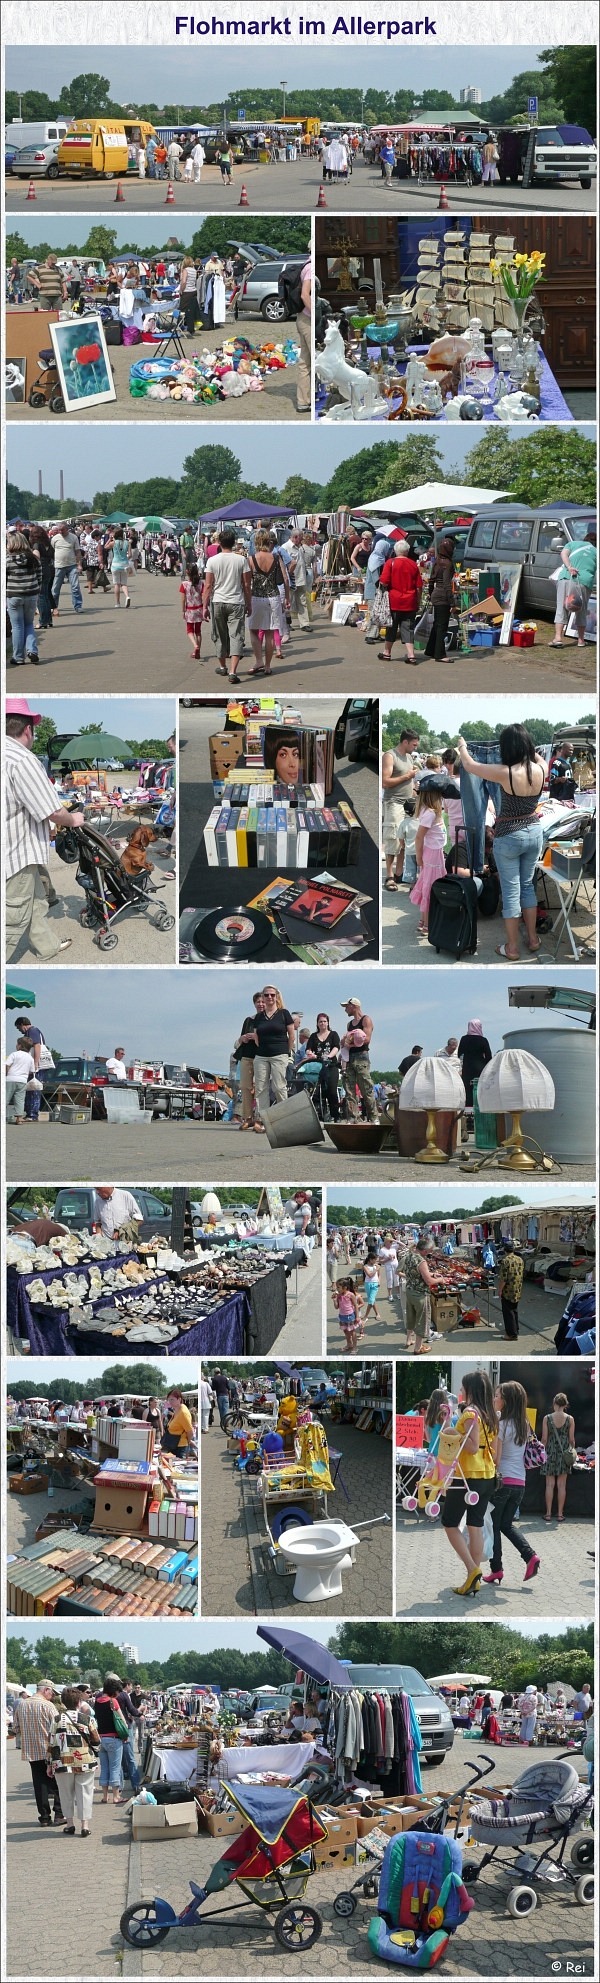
313,1658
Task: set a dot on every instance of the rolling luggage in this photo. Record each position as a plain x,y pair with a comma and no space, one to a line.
452,919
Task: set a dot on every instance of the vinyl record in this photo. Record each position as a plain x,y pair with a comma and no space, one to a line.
233,936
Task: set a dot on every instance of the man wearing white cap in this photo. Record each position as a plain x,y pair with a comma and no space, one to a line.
357,1068
32,816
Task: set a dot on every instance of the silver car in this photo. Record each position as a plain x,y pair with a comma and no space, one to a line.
260,296
434,1718
37,161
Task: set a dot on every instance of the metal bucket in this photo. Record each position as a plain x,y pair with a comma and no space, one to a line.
291,1122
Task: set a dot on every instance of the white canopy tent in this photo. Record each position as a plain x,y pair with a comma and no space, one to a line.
434,496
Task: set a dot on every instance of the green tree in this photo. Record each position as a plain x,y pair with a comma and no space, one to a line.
302,495
211,475
34,104
570,74
86,96
511,106
287,233
101,242
42,734
552,464
16,245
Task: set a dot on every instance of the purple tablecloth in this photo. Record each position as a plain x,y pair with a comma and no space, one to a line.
553,405
49,1331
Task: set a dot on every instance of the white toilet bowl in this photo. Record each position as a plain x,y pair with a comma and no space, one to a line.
319,1554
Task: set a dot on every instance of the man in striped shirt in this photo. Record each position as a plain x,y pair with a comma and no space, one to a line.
31,809
34,1718
50,283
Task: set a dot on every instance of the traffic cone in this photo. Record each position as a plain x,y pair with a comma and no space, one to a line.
170,199
321,202
119,195
243,199
443,200
31,192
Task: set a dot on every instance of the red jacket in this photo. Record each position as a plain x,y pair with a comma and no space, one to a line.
402,579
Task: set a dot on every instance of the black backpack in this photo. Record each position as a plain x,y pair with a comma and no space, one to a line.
290,290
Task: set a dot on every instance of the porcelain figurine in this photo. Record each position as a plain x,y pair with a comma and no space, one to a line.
516,406
355,387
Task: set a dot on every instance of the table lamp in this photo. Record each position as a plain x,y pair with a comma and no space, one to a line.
514,1081
432,1083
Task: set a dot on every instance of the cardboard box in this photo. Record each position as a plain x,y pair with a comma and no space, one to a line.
406,1814
444,1312
225,752
225,1824
164,1821
341,1838
33,1483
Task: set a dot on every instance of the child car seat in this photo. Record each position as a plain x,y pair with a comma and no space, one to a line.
421,1902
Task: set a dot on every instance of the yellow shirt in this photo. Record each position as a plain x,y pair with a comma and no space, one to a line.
480,1465
181,1424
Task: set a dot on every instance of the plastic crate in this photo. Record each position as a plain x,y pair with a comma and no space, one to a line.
524,638
484,636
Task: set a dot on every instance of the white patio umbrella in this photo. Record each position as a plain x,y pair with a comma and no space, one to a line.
435,496
458,1680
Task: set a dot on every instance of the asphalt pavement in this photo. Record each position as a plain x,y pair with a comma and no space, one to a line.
277,401
292,188
49,1935
177,1150
237,1572
139,940
403,944
149,652
539,1314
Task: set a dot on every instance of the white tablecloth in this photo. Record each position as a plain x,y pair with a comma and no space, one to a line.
173,1765
290,1758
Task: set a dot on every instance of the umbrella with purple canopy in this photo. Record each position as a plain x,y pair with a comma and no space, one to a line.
306,1653
245,512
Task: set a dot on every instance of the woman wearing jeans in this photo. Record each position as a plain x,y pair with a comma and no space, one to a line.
518,836
23,585
111,1744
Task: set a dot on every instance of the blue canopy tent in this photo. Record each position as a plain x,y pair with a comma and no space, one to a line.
246,512
306,1653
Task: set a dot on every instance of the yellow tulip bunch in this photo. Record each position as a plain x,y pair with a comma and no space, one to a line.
530,270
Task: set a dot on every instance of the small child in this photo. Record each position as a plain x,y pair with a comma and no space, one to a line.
409,835
389,1261
193,610
348,1308
429,852
371,1285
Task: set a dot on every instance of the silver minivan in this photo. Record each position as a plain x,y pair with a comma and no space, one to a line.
513,534
434,1718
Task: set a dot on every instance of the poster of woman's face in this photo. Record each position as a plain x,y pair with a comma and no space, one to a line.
83,363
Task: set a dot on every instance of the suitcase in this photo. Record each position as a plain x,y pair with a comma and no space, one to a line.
452,920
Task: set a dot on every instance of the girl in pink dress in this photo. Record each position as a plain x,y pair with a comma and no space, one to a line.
429,852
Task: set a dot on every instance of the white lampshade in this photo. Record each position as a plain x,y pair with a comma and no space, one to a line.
514,1080
432,1083
210,1207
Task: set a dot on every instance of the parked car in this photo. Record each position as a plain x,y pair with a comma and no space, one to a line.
512,534
357,730
260,296
73,1070
433,1716
74,1207
37,161
10,152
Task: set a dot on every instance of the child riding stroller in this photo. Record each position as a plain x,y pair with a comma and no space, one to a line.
271,1862
109,891
533,1823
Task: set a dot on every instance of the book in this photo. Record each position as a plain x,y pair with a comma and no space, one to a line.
321,904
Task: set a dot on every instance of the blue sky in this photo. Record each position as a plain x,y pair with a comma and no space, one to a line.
428,1196
46,1369
122,716
158,1639
134,453
196,73
195,1015
444,712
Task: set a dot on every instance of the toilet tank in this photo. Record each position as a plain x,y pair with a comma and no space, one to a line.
568,1131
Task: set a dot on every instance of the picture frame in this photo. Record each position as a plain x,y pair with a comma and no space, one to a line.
15,381
83,363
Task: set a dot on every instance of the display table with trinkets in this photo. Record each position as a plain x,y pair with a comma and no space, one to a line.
83,1293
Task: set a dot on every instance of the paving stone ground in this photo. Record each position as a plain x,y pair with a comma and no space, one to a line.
47,1937
539,1315
236,1574
427,1571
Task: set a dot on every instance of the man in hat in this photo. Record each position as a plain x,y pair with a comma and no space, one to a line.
357,1068
32,817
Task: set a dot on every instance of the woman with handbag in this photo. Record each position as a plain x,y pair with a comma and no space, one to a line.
558,1437
113,1731
580,562
72,1758
478,1423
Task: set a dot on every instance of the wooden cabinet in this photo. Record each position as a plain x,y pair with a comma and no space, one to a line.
567,294
369,235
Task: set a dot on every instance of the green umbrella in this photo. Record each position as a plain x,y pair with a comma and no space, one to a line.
94,746
16,998
152,523
117,516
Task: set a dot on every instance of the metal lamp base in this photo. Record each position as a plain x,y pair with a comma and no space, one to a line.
516,1157
430,1154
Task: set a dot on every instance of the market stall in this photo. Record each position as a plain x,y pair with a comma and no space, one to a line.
220,1304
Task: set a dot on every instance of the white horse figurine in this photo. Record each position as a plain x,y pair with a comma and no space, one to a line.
353,385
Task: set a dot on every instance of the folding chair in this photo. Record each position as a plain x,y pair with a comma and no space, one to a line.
170,342
568,892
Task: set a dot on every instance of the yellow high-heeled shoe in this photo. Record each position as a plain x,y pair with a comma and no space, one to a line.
470,1586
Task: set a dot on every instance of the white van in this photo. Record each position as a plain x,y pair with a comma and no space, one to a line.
21,135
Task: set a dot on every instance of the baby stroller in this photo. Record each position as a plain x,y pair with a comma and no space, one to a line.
443,1470
46,391
109,891
310,1078
533,1824
271,1861
422,1900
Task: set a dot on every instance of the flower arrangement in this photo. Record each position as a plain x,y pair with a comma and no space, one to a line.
529,269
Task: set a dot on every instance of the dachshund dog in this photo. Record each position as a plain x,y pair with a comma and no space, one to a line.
134,859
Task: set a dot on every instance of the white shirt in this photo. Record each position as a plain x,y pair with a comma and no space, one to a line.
118,1068
112,1213
20,1065
31,802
